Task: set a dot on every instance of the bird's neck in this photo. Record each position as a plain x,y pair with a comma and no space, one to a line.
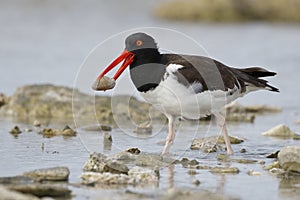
146,70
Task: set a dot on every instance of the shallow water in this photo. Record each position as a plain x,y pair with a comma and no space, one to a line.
47,42
25,153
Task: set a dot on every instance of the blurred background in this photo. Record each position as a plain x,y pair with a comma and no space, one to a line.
46,41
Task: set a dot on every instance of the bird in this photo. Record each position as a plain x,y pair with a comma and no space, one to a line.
185,86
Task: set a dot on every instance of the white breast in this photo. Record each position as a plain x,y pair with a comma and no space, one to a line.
172,97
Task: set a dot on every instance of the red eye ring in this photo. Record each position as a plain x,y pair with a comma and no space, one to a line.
139,43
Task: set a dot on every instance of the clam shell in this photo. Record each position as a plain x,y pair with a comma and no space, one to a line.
105,83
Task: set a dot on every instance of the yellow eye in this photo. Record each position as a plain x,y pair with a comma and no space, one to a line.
139,43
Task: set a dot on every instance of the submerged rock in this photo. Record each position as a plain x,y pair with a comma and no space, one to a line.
185,162
135,151
100,163
51,132
253,173
36,123
15,180
240,117
289,158
272,166
226,158
210,144
42,190
49,174
7,194
67,131
135,176
273,155
186,194
282,131
15,130
257,109
232,170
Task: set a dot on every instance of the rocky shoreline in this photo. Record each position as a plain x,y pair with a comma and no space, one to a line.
132,167
137,169
38,102
229,10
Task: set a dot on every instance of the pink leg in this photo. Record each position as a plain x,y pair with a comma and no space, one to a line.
171,135
221,122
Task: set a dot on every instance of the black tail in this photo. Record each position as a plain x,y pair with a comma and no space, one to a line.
252,75
258,72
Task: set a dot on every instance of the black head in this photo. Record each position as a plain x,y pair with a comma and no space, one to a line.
139,41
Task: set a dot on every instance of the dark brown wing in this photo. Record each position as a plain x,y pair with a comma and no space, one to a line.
213,75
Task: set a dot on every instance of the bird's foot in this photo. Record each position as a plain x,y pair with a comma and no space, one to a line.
229,151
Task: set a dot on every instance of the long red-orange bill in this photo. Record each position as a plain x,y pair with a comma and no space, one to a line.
126,56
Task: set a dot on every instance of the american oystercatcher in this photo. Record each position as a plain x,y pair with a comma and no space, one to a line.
184,86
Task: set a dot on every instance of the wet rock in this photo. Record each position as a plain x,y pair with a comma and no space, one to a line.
49,174
196,182
178,194
100,163
124,156
231,170
28,130
49,132
192,172
135,176
261,162
93,178
42,190
135,151
145,160
272,166
188,163
3,99
203,167
7,194
15,130
282,131
226,158
66,132
289,158
142,175
257,109
240,117
63,103
209,144
97,128
253,173
273,155
243,150
277,172
15,180
36,123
